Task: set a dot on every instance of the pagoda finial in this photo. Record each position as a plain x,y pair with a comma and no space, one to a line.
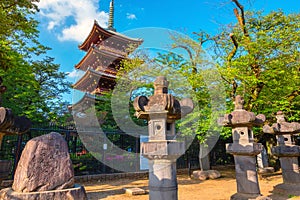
111,16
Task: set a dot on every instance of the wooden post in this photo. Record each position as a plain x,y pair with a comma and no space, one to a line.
1,139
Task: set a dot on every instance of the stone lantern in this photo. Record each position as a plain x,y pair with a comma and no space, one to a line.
288,154
244,149
161,110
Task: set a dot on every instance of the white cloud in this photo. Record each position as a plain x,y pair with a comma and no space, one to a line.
73,19
130,16
75,74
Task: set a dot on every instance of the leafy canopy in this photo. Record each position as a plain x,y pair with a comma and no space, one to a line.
259,59
34,84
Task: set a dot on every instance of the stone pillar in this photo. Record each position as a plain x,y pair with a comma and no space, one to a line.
288,154
263,163
162,179
162,157
162,150
244,149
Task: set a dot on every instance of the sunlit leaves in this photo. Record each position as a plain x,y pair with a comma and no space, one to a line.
266,66
34,87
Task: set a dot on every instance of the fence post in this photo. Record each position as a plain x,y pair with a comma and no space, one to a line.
17,154
136,154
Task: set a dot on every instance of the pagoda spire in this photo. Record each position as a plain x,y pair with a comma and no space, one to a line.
111,17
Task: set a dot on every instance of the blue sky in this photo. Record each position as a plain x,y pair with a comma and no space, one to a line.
64,24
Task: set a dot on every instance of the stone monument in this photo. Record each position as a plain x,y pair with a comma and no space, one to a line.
161,110
244,149
288,154
44,171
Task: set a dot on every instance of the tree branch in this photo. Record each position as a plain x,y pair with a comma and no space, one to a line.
9,6
255,94
233,51
240,17
190,55
293,95
203,37
234,88
229,58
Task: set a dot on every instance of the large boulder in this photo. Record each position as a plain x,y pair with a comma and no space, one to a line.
44,165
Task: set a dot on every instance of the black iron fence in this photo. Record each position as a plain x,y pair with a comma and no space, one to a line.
85,163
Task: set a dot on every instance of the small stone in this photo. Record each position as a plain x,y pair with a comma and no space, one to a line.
266,170
201,175
213,174
134,191
263,198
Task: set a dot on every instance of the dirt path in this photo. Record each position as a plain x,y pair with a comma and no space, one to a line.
188,189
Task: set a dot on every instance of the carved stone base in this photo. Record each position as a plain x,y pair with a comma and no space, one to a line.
78,192
162,180
241,196
287,190
246,175
162,149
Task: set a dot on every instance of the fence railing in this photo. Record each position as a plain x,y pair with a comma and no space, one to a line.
85,163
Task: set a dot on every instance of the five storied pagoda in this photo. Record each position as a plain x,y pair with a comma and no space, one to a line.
105,49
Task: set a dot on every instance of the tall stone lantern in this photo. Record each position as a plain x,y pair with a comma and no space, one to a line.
162,150
288,154
244,149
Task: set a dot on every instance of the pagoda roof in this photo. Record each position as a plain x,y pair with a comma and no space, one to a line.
90,80
97,30
90,57
84,103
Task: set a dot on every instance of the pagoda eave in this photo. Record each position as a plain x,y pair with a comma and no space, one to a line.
84,103
97,31
91,79
92,56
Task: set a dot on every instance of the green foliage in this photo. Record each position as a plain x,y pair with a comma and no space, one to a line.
190,74
35,90
291,196
19,33
106,116
206,88
104,113
264,67
34,87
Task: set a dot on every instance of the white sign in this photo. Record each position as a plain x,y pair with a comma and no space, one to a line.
104,146
143,161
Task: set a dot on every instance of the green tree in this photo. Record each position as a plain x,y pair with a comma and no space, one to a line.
34,84
189,74
206,89
259,59
19,33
